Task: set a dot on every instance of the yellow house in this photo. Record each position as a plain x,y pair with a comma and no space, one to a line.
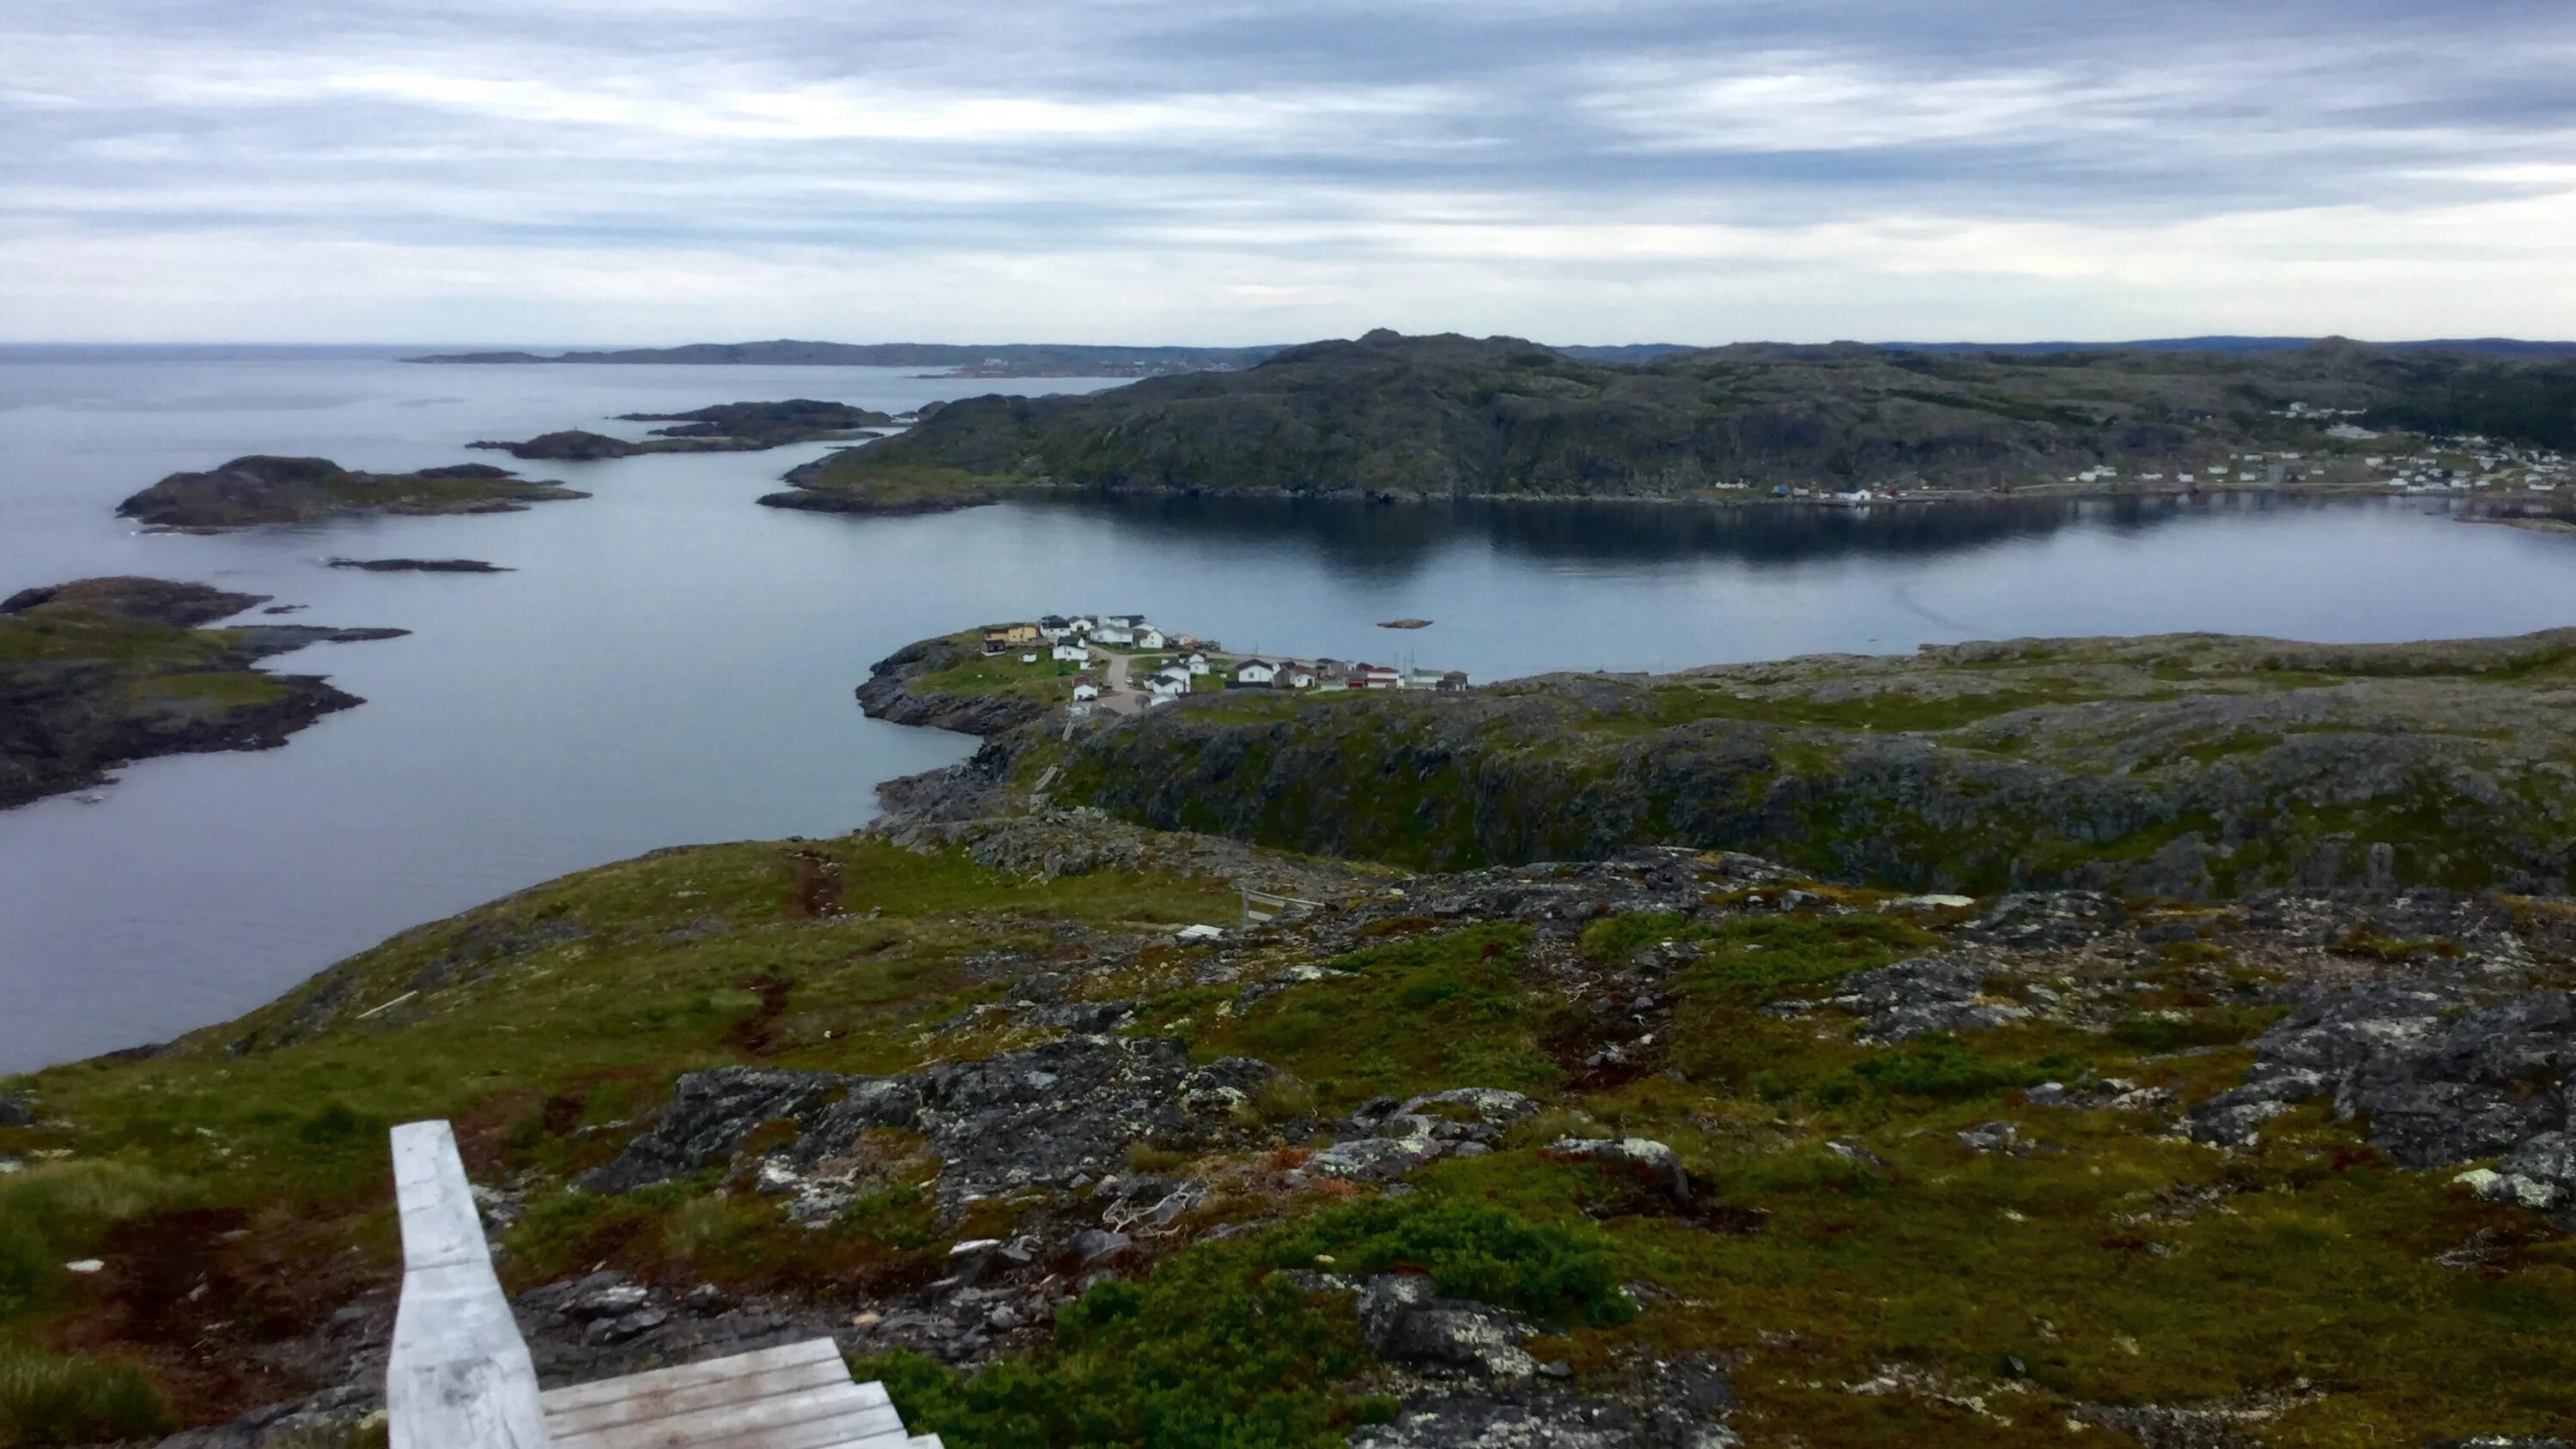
999,637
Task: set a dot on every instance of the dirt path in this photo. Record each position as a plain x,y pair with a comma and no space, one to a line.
1115,695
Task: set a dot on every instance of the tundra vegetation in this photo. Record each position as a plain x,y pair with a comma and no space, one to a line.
1739,1149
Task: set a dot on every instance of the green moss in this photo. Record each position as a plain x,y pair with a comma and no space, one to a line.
1437,1011
1756,959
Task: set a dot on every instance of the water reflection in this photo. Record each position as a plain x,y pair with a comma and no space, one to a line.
1382,542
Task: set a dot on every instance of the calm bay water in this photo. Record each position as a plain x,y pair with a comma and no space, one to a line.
672,664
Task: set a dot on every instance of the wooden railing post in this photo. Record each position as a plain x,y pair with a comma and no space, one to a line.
460,1376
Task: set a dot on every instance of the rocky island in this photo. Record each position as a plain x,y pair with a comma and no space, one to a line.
259,489
1394,417
101,672
745,427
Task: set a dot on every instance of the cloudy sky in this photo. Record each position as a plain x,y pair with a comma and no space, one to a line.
1239,171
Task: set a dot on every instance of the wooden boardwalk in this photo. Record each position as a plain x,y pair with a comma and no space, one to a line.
460,1376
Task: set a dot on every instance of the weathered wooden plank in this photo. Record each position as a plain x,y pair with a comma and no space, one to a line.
440,1227
458,1375
714,1370
661,1403
850,1426
713,1423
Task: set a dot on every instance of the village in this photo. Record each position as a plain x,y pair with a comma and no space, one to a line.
1125,664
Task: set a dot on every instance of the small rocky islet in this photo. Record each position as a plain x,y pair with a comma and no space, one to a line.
101,672
260,489
743,427
417,565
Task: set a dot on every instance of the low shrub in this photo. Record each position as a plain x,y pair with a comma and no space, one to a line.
1470,1250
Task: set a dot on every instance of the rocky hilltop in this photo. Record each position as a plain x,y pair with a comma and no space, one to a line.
102,672
258,489
1447,416
1665,1150
2188,766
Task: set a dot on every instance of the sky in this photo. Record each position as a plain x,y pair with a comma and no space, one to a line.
1232,172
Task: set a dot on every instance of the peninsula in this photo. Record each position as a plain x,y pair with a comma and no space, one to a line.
743,427
1394,417
100,672
259,489
2189,767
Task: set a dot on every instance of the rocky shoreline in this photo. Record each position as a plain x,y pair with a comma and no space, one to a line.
893,692
102,672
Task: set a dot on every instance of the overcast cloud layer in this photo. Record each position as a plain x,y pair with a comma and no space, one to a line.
655,171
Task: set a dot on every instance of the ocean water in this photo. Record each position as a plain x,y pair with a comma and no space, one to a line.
670,663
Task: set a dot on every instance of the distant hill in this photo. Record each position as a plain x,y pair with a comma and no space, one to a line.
2491,346
1043,359
1448,416
1014,359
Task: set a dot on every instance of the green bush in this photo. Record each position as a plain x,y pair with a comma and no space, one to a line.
1200,1355
1471,1250
1757,959
46,1399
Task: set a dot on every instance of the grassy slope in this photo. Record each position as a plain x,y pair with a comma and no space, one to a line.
2099,1274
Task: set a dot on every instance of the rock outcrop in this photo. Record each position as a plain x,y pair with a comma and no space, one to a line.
1047,1115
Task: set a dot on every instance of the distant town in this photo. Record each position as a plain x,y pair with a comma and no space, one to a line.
1124,663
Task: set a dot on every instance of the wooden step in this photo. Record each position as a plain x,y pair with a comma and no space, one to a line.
810,1355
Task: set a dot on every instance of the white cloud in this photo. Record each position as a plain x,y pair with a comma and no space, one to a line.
579,170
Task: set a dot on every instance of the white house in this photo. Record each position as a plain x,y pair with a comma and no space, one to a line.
1082,623
1071,651
1149,637
1255,671
1300,679
1113,634
1086,691
1170,684
1195,663
1377,676
1129,622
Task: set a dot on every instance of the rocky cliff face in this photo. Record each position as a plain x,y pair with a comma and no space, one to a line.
2185,766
